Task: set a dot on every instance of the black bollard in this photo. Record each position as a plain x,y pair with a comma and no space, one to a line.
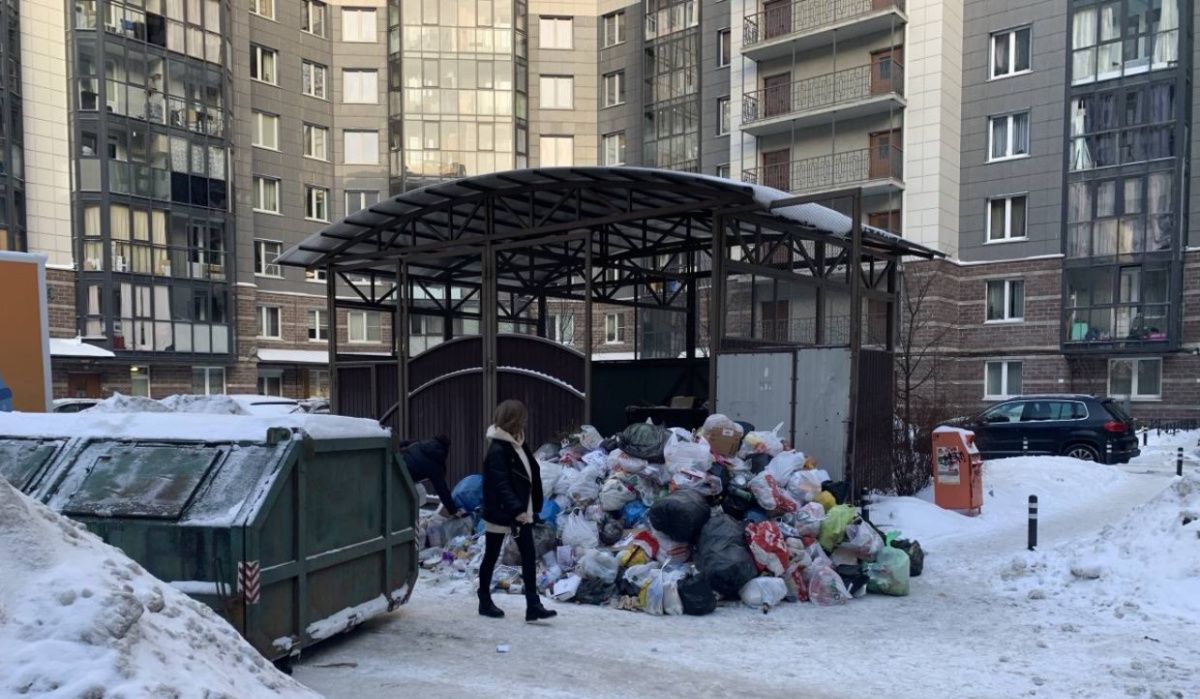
865,505
1108,453
1179,462
1033,516
1146,438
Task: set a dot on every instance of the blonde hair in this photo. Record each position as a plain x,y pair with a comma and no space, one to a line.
511,416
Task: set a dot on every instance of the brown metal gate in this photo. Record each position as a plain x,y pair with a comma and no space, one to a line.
871,466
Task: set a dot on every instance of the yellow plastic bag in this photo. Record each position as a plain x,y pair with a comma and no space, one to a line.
632,556
826,499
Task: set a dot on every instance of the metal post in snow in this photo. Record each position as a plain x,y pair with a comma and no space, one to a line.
1179,461
1033,517
1024,445
865,505
1146,438
1108,453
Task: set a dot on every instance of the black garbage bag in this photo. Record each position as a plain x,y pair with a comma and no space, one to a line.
840,490
737,502
680,515
916,555
545,540
594,591
624,587
723,557
758,462
644,441
722,473
854,577
611,531
696,595
611,444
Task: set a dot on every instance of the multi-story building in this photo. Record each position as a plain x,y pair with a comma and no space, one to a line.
1072,269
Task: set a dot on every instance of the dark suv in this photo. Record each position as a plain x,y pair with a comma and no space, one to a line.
1083,427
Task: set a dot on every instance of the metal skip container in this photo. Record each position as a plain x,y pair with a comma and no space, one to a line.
292,528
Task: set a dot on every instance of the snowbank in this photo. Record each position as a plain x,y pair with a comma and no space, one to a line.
80,619
182,426
209,405
1148,560
1059,482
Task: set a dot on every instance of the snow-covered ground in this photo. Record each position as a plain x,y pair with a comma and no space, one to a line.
79,619
969,628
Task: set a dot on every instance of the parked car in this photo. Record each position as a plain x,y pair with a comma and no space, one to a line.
1079,426
73,405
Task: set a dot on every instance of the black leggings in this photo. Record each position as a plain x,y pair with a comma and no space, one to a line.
491,554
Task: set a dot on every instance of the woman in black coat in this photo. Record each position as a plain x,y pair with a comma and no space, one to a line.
512,497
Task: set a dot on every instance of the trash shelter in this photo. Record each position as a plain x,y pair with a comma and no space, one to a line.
292,528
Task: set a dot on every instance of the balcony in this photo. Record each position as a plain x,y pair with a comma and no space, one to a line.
783,27
876,170
846,94
1126,327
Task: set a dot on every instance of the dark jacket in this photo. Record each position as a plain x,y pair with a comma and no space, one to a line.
506,487
426,460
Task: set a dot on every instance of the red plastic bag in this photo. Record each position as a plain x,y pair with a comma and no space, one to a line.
770,496
768,547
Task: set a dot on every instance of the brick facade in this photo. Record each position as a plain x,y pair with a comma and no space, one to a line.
954,310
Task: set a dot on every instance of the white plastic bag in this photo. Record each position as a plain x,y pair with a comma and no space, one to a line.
863,541
717,421
763,442
550,471
807,519
618,459
615,493
639,575
806,485
566,479
565,589
704,483
590,438
785,464
579,531
763,592
598,564
595,458
694,455
586,487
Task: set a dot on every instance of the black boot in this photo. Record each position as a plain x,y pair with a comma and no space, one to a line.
488,608
534,611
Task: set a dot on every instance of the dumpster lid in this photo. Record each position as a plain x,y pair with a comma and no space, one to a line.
21,459
186,426
136,480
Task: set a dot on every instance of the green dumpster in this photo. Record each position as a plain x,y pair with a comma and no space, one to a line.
290,537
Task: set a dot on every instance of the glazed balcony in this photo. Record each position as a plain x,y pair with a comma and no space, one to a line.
876,170
784,26
846,94
1125,327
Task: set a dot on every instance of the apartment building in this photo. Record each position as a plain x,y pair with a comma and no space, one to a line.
1074,270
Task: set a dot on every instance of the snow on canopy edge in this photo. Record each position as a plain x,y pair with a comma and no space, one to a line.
190,427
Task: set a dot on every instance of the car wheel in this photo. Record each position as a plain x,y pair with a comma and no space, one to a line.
1083,452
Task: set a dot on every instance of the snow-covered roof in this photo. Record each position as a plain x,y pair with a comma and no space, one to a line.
76,347
194,427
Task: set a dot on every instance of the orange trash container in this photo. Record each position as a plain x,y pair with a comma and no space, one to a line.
957,471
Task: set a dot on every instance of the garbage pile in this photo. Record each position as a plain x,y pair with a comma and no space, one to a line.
665,521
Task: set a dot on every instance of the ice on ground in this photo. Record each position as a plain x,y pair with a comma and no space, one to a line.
80,619
1148,560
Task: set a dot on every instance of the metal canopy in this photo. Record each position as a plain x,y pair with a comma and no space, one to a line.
539,221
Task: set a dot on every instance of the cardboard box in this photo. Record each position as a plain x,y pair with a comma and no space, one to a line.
724,440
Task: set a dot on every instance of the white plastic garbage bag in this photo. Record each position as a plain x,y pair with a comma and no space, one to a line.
590,438
694,455
764,592
763,442
579,531
618,459
598,564
565,589
550,473
785,464
586,487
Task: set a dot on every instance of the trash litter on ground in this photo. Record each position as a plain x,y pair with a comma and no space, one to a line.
668,522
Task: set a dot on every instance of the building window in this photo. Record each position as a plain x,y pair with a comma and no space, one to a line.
262,8
313,75
1005,300
1010,52
266,194
1121,216
139,381
1133,124
562,328
359,199
1110,41
262,64
555,33
358,24
363,326
614,328
1006,218
1008,136
722,116
318,325
614,148
361,147
316,203
316,142
614,29
723,170
208,380
558,91
557,151
265,252
360,86
1136,379
1001,380
268,322
315,275
266,131
270,382
723,48
312,17
614,89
